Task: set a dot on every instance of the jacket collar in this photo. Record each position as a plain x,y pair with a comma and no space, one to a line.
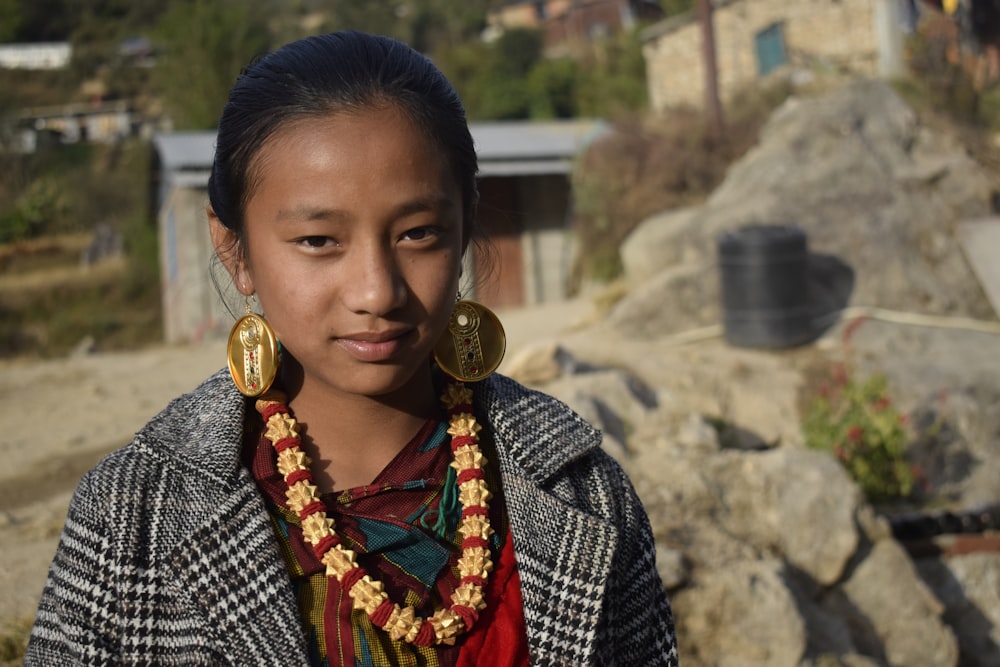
521,417
202,430
565,552
201,427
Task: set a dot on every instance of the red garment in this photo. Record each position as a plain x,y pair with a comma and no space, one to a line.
500,637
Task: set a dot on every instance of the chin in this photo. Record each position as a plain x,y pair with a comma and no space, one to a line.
387,380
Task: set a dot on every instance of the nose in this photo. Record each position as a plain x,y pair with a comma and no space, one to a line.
375,284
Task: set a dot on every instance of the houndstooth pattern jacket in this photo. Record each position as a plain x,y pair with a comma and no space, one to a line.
168,557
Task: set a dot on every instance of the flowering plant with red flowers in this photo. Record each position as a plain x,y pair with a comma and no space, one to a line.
856,421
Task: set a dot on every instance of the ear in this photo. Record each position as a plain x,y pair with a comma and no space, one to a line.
229,250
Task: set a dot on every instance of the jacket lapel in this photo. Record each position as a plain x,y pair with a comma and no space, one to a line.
564,559
564,555
232,570
230,564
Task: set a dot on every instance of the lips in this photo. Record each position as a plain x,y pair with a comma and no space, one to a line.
371,346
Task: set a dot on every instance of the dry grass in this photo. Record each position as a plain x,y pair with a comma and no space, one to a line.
652,163
18,286
49,302
14,640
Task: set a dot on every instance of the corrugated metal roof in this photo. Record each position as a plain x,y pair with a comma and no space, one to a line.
530,141
505,148
185,150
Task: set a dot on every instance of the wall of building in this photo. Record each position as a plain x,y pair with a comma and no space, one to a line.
192,307
831,33
528,258
45,55
545,241
526,14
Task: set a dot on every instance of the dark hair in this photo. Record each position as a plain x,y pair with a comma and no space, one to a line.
316,76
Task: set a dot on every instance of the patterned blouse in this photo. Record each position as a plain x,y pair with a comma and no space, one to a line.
402,527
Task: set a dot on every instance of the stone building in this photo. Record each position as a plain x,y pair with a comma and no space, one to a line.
757,37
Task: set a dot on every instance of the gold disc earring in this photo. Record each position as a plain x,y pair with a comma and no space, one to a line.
253,354
474,344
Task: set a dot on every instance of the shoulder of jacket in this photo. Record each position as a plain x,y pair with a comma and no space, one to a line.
536,433
197,431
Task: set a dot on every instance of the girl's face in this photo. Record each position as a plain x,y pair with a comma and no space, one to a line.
353,247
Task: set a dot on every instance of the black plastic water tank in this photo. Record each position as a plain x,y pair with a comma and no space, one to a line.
765,286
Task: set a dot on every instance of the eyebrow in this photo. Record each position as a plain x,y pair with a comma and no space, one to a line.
307,212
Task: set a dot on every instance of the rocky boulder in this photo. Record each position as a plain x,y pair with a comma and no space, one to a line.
862,176
772,555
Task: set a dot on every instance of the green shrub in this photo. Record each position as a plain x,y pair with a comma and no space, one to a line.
40,207
855,420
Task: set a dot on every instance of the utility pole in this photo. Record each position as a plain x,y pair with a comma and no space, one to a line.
716,125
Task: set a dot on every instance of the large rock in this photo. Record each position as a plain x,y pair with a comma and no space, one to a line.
969,587
775,500
660,232
958,445
650,309
887,601
740,616
865,179
848,660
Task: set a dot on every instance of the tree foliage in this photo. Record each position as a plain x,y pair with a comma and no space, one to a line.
430,26
511,78
614,78
64,20
10,20
204,45
498,88
673,7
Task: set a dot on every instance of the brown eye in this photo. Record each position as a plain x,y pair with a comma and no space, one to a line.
316,242
420,233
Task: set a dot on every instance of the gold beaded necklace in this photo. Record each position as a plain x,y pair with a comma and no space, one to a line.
402,623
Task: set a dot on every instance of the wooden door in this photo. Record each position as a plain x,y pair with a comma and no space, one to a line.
499,268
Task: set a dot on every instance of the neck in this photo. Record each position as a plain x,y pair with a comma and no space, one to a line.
352,438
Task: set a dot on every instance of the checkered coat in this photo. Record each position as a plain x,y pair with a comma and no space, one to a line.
168,556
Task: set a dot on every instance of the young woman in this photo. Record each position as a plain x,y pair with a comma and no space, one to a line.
337,497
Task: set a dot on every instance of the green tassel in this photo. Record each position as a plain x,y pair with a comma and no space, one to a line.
445,520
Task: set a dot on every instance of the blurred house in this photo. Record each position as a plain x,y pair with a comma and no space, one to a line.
567,21
970,33
43,55
101,122
524,209
23,130
757,37
137,52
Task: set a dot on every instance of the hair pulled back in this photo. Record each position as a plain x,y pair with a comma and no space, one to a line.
338,72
